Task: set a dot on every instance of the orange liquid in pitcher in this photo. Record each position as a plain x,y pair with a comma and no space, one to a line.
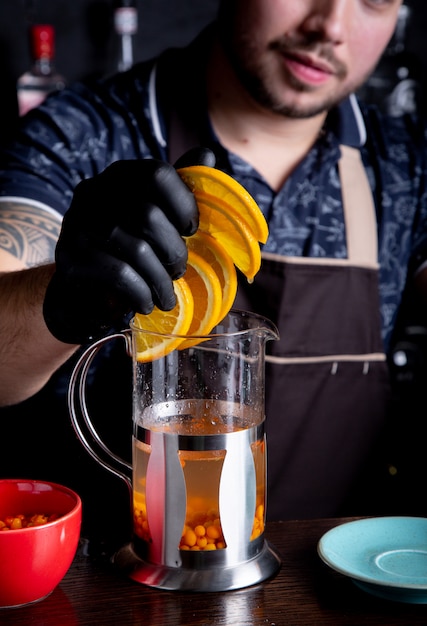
202,474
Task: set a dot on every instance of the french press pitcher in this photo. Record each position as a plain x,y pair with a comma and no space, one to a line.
198,474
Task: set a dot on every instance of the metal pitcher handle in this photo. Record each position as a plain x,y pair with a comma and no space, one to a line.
80,419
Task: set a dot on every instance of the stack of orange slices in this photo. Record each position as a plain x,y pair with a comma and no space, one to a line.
231,227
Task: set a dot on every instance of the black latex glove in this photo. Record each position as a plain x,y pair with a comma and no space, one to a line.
121,246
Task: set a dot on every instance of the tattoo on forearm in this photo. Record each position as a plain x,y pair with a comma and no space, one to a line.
28,233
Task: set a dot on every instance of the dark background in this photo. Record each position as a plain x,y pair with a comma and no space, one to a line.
85,39
86,44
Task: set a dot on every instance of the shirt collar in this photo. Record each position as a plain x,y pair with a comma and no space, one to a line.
346,121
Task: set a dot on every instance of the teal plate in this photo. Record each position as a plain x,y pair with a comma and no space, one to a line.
385,556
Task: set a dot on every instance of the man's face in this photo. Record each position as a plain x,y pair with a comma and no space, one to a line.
300,57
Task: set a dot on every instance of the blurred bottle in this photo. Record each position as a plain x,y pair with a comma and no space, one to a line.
395,85
125,16
41,79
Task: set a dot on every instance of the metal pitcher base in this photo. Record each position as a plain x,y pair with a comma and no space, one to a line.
263,566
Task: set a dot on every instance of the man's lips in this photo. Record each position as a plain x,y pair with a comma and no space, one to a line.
308,69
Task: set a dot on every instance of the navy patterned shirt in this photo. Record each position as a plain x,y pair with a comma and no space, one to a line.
79,132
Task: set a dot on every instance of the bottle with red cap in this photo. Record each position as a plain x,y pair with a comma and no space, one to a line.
42,78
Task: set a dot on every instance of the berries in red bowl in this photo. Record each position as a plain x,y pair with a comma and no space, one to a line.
39,534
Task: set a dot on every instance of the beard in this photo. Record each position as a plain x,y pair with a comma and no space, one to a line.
272,86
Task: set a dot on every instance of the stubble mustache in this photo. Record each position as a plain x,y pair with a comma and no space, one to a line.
293,47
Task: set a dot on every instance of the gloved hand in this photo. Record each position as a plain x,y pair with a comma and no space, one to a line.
121,246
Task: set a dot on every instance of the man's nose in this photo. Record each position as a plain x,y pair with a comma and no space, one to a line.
329,19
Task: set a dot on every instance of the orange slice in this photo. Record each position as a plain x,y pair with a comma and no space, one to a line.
220,261
231,226
207,295
165,330
199,303
220,185
223,223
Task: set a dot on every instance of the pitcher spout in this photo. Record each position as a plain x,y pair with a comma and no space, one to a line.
247,322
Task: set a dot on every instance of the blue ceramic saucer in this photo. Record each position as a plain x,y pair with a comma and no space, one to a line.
385,556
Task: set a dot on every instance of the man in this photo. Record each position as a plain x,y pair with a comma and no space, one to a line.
269,91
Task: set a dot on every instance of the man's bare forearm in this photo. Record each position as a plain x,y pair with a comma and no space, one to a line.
29,354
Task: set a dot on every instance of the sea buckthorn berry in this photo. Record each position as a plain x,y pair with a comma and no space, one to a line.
16,522
189,537
36,520
200,530
140,523
202,542
204,532
213,531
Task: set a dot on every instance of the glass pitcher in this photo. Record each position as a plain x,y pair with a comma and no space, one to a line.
198,474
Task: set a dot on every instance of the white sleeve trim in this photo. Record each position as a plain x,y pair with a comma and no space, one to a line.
421,267
359,119
34,203
153,107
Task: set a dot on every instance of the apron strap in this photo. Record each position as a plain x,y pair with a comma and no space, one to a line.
359,209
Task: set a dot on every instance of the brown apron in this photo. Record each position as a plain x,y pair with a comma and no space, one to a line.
327,383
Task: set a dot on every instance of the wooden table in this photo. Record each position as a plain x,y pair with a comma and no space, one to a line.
305,592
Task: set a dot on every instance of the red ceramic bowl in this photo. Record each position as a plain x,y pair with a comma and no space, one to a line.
34,560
